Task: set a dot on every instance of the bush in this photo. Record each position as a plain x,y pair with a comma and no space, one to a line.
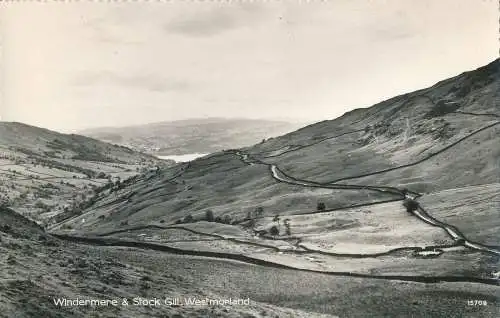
410,205
101,175
321,206
274,231
218,219
259,211
209,215
287,227
227,219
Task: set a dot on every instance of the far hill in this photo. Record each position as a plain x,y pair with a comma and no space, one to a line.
193,135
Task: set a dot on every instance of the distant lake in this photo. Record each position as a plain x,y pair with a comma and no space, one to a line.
183,158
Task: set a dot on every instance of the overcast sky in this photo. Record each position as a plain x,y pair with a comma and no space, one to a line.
68,66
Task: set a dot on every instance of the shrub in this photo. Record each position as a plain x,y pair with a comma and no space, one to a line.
321,206
259,211
209,215
101,175
410,205
249,215
218,219
287,227
227,219
274,231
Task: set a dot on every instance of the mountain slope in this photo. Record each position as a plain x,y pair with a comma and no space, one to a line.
399,131
193,135
48,176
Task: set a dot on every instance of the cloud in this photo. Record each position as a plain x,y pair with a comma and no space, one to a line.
147,82
217,20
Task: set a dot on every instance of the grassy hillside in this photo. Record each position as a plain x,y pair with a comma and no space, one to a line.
36,268
49,176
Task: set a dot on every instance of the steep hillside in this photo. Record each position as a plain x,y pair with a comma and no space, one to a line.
406,190
401,131
193,135
36,270
48,176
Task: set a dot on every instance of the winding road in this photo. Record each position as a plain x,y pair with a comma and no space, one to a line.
421,213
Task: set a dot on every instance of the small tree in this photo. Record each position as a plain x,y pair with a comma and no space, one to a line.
274,231
227,219
259,211
287,227
249,215
321,206
209,215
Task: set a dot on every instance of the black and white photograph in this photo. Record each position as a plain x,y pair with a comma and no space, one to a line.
249,158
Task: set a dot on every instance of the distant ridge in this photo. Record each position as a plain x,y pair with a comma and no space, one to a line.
197,135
